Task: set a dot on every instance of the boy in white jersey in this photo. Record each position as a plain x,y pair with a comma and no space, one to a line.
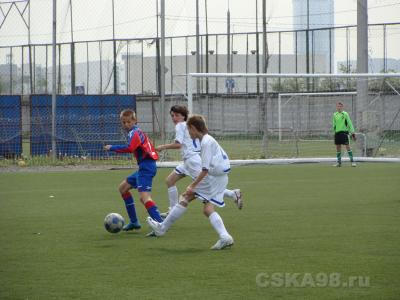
208,186
191,166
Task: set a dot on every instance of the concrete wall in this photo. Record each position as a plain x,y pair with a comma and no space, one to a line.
243,115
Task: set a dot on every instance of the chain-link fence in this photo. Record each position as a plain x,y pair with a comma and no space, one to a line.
93,67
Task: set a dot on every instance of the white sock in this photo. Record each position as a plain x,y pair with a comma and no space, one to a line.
218,224
176,212
229,194
173,196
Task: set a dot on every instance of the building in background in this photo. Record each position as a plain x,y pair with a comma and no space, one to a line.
140,73
314,15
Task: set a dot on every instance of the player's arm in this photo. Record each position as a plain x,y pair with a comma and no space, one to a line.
333,123
190,189
351,128
175,145
179,136
350,124
133,143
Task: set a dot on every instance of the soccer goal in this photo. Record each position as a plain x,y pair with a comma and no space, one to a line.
289,116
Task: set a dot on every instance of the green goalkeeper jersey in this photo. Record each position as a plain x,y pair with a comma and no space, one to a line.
341,122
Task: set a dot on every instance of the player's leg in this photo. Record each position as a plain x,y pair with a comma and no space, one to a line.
212,191
338,155
350,153
338,139
173,195
236,196
126,195
191,167
225,239
150,205
176,212
147,170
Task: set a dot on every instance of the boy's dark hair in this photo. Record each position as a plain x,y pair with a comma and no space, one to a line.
128,113
198,122
179,109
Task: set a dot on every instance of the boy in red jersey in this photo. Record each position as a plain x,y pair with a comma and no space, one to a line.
146,156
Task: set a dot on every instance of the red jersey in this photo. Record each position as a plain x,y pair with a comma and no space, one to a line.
138,144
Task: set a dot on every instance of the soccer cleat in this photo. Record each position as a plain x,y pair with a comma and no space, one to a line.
337,165
353,164
151,234
238,200
223,243
155,226
130,226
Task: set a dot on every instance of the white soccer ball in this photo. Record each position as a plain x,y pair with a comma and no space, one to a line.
21,163
114,222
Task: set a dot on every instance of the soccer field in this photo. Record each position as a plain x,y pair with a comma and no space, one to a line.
306,231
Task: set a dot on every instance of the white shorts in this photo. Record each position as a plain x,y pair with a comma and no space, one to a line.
212,188
221,169
190,167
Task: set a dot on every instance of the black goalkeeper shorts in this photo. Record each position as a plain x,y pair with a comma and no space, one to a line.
341,138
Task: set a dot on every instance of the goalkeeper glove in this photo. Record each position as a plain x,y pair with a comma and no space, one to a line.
353,136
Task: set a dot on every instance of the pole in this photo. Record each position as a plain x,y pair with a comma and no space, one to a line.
228,51
158,60
308,44
114,50
197,45
30,49
279,117
72,54
206,11
265,47
162,70
362,63
54,84
11,81
257,50
190,92
265,67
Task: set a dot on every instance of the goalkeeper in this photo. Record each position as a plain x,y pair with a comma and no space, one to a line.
342,127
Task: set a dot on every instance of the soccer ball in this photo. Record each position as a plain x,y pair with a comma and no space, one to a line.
21,163
114,222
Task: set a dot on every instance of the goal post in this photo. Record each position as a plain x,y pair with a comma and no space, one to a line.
280,95
284,116
191,77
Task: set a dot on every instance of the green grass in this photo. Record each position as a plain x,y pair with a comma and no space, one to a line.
297,219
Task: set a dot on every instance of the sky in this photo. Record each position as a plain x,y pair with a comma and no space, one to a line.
92,19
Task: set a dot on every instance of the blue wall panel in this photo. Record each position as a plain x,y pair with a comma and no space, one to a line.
10,126
84,123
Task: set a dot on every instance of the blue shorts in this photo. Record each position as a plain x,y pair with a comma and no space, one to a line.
142,179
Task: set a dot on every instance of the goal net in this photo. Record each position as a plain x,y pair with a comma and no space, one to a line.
258,116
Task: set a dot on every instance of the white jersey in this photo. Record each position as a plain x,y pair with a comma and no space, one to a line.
213,157
189,147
